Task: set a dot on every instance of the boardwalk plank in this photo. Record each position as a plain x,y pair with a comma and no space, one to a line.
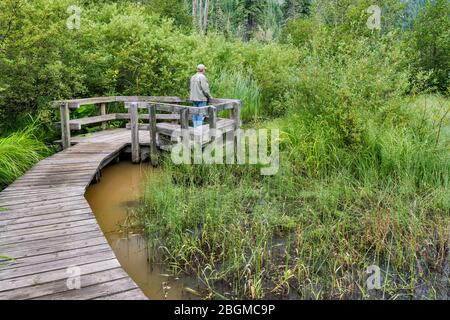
49,226
47,222
54,275
7,233
133,294
16,214
21,271
95,291
36,248
58,255
49,234
49,216
61,285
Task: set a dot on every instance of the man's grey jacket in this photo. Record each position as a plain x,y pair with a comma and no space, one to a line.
199,88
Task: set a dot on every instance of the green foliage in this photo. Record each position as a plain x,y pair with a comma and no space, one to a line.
357,159
37,57
18,152
239,86
299,32
239,18
124,49
342,85
429,43
173,9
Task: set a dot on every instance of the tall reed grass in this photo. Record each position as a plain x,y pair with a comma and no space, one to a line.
236,85
18,152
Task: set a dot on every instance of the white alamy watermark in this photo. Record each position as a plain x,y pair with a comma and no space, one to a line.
374,279
241,146
374,20
73,281
73,22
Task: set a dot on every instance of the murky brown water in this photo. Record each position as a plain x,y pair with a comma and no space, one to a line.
120,187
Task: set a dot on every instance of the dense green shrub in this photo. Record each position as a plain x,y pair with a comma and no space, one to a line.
38,57
122,49
299,31
341,87
429,43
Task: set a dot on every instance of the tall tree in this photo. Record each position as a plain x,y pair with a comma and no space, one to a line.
252,11
200,10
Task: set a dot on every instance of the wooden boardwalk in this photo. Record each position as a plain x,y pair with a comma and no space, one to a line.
49,226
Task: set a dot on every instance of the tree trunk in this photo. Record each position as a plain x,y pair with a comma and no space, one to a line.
194,12
251,19
200,10
200,15
205,17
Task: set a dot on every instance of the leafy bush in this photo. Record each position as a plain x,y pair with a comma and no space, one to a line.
38,57
123,49
299,31
18,152
341,86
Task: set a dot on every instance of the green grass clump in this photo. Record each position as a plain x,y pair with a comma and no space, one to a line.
18,153
203,226
235,85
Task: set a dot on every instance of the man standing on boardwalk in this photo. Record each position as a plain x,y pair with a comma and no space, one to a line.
199,93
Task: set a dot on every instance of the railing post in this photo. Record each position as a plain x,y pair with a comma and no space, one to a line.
65,125
135,148
103,113
184,118
184,122
212,113
236,114
152,128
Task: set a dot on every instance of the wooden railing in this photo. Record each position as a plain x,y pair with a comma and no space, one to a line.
171,108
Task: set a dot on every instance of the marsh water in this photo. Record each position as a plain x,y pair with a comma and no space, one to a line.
111,199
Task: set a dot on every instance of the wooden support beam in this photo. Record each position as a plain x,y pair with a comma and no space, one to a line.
212,122
76,124
135,148
103,113
152,127
184,120
65,126
160,116
236,114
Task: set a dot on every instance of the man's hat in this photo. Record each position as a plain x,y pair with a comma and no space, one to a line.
201,67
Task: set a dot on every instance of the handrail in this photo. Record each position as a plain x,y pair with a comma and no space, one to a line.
152,104
76,103
166,107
